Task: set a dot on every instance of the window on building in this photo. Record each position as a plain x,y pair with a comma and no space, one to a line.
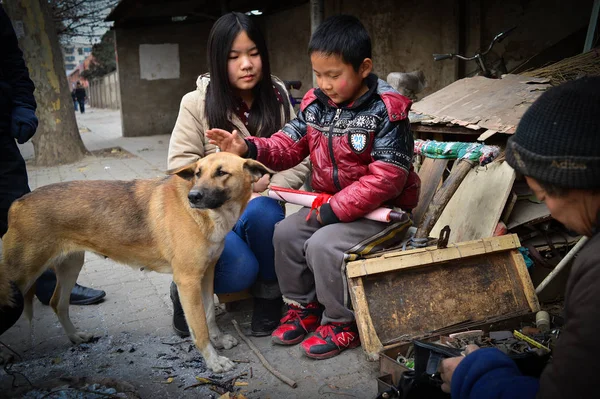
70,58
87,49
80,51
70,66
69,50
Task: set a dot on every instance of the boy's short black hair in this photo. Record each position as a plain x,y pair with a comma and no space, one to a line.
342,35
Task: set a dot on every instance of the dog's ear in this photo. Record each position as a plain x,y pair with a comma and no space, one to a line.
185,172
256,169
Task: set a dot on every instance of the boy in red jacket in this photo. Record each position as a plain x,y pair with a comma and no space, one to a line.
355,128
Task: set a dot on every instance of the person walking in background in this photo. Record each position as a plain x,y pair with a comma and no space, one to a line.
74,97
81,96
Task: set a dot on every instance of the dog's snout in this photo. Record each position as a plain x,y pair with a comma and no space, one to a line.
195,196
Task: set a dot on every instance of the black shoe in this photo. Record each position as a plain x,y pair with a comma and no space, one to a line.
265,316
179,324
80,295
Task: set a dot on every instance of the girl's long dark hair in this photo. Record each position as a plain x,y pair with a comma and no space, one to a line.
265,115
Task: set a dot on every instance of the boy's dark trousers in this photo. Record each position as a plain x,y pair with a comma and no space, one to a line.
310,259
82,105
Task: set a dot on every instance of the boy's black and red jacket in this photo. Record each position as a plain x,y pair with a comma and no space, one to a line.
361,152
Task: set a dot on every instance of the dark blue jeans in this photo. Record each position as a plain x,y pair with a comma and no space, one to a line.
248,254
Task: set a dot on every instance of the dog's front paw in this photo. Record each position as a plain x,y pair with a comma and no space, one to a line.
219,364
80,337
224,341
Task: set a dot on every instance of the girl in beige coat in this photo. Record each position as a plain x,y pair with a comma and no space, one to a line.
239,94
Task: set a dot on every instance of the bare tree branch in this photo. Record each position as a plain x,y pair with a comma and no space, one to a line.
81,18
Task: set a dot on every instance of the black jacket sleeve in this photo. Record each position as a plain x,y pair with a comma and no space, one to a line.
17,88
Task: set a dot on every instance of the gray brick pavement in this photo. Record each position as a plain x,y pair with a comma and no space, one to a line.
137,309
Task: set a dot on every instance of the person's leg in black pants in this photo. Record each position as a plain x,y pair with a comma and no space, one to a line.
13,185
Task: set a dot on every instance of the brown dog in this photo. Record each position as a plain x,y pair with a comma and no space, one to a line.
175,224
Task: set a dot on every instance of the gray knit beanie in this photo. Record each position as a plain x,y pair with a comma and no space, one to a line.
558,138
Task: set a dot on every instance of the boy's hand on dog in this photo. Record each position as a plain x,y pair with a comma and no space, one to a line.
228,142
262,184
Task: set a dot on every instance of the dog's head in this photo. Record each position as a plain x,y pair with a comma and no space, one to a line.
219,178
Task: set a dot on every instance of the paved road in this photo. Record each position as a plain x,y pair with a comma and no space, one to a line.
136,343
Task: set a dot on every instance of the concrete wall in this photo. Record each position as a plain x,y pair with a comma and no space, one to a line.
403,38
287,34
150,106
540,24
406,34
104,92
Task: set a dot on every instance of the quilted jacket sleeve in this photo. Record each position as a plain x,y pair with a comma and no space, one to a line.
392,158
283,150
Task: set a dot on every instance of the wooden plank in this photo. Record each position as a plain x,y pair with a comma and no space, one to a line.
406,303
475,208
431,173
486,135
443,129
460,169
368,336
415,258
527,212
234,296
525,279
495,104
510,204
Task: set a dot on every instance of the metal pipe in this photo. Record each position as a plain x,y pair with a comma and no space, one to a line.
561,264
589,39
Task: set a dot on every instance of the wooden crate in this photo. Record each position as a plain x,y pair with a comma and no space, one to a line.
401,295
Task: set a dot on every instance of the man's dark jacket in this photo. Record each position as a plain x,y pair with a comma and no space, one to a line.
490,374
16,88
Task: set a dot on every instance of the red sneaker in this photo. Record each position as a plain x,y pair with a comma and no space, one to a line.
296,323
331,339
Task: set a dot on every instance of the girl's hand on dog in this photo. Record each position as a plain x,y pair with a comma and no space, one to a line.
228,142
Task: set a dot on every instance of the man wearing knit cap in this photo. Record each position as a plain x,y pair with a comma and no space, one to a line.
557,149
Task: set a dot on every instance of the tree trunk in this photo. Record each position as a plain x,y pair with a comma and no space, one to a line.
57,140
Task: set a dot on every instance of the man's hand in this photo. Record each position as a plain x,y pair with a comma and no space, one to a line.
448,366
23,124
228,142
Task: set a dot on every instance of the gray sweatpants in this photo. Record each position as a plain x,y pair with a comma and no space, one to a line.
310,259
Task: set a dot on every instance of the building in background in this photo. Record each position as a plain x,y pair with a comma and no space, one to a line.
74,53
76,74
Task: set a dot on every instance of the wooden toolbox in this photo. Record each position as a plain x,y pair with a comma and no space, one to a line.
400,295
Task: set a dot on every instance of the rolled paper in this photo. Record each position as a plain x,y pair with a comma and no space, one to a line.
305,198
